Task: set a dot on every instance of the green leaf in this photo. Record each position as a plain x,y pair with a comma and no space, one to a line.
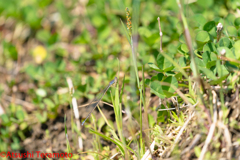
206,57
221,69
232,31
172,82
213,56
182,38
219,80
209,47
20,115
144,31
158,77
209,26
126,32
199,62
210,64
197,151
42,118
202,37
15,145
10,50
161,115
230,19
156,88
184,48
49,103
205,3
208,73
225,42
43,35
154,67
98,20
237,22
199,19
236,47
182,61
5,120
151,120
163,63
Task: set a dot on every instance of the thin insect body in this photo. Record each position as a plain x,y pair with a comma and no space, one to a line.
98,98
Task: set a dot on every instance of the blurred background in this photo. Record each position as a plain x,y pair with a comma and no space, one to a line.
42,42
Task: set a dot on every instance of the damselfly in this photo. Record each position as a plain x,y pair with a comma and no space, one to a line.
98,98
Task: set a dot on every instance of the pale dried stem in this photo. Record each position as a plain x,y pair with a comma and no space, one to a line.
160,33
75,110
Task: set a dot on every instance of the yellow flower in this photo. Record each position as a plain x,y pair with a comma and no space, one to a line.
39,54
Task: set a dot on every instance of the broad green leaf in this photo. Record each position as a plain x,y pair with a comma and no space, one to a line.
205,3
199,19
154,67
98,20
20,115
209,26
213,56
237,22
182,61
23,125
208,73
206,57
49,103
158,77
232,31
144,31
209,47
225,42
197,151
182,38
151,120
202,37
219,80
43,35
210,64
163,63
236,47
15,145
156,88
10,50
5,120
172,82
221,69
184,48
42,118
230,19
199,62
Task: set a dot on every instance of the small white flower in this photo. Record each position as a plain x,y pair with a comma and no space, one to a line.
219,27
